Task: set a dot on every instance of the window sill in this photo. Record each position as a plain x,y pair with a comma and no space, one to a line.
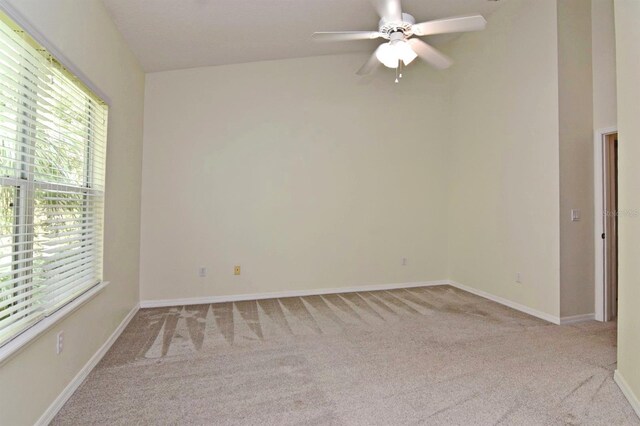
29,335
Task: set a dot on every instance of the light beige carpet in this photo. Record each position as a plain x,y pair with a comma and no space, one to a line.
432,355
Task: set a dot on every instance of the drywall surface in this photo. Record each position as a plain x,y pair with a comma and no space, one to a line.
299,171
85,34
603,37
627,13
575,93
504,160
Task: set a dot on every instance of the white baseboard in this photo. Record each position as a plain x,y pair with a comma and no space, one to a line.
299,293
577,318
628,393
518,307
161,303
291,293
57,404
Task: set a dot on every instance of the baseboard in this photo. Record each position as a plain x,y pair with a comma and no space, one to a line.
628,393
160,303
57,404
577,318
292,293
518,307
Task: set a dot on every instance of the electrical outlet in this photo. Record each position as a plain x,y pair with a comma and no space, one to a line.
59,342
518,277
404,261
236,270
202,272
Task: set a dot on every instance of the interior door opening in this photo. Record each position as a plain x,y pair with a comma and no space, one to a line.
610,225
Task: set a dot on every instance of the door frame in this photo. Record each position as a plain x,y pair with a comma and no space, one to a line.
598,212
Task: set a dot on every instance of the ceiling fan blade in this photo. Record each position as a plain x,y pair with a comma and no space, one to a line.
429,54
389,10
450,25
370,66
345,35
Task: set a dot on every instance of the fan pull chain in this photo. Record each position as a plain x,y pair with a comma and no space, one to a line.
399,71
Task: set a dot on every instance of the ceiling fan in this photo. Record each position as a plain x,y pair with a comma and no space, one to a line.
399,28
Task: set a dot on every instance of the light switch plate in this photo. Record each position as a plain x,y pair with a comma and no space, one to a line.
575,215
59,342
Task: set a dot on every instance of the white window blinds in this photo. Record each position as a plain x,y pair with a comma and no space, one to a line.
52,168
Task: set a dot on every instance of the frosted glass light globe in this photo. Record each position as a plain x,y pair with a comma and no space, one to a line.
387,55
391,53
404,51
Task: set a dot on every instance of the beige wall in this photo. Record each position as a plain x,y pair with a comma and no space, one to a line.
627,13
503,167
272,175
301,172
575,91
603,38
83,31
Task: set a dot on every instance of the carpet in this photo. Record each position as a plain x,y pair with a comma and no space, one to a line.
429,355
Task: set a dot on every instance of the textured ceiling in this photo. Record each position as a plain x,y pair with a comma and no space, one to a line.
175,34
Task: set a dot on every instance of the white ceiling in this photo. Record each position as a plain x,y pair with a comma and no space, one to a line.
175,34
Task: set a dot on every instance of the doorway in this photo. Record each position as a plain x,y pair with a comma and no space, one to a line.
610,224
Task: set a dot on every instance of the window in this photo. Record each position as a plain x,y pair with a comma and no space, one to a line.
52,163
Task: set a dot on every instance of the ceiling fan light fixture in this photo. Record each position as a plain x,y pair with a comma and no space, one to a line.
404,51
387,55
390,54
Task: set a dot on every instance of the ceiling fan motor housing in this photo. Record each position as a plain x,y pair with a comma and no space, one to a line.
387,28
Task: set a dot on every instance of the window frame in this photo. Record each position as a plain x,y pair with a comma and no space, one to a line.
26,183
